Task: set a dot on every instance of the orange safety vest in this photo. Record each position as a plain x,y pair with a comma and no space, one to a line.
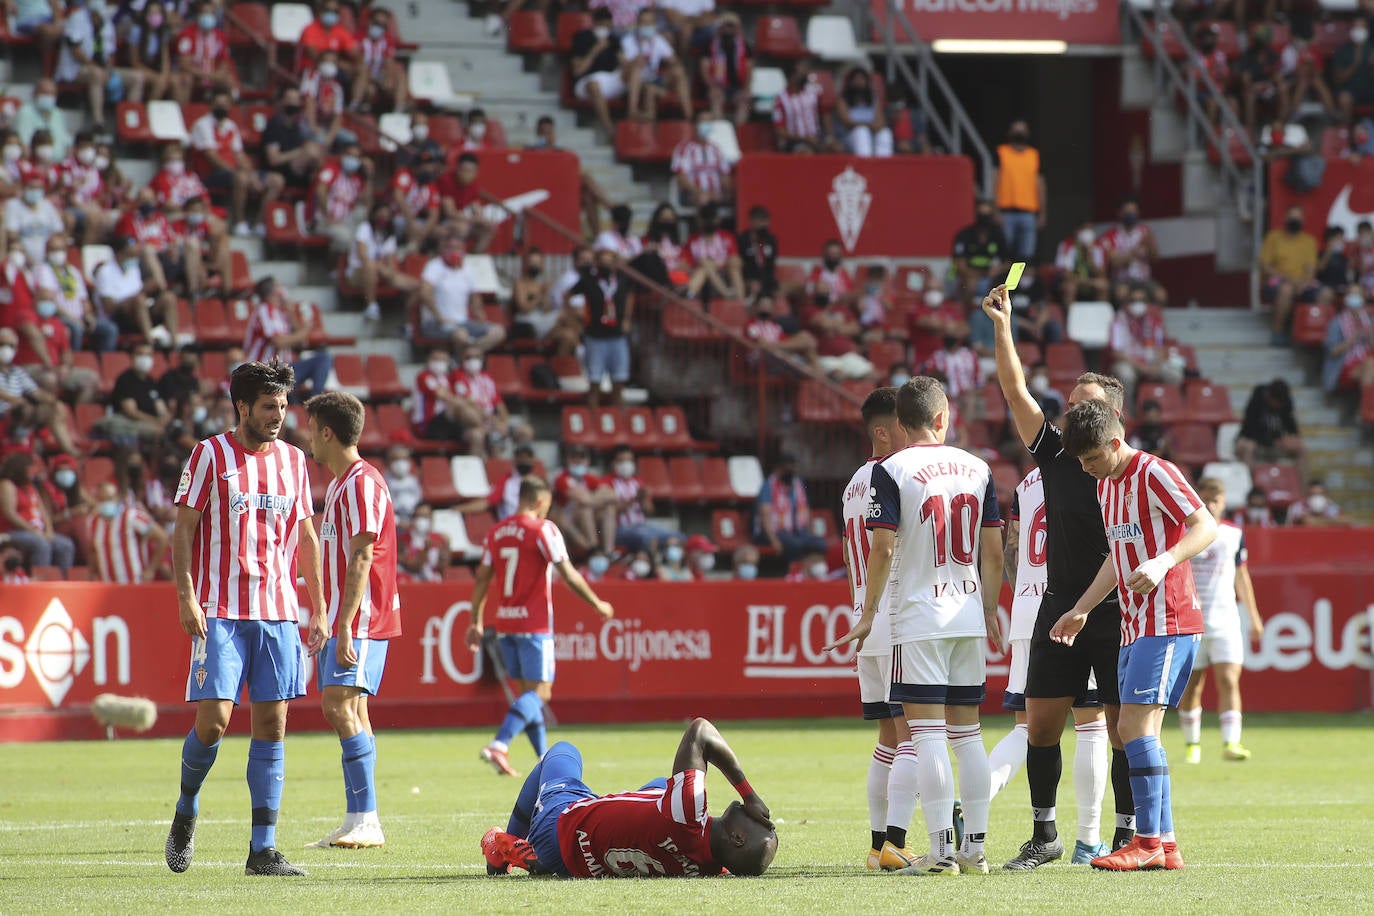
1017,174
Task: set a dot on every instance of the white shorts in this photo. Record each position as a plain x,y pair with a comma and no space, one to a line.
944,672
875,678
1220,646
611,82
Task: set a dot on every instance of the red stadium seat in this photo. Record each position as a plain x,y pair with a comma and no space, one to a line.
527,32
348,369
641,431
682,323
1065,363
446,130
635,141
755,137
131,123
237,312
1280,481
372,441
686,477
609,428
393,422
884,354
791,276
570,22
653,473
715,480
578,427
668,135
1310,320
320,479
506,374
240,275
1029,353
819,403
112,364
1208,402
1169,398
46,574
779,37
824,81
673,431
383,379
730,312
912,280
247,22
436,481
478,524
728,529
214,366
458,573
212,325
95,471
1193,444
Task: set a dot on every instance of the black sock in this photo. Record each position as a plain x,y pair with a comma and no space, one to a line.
1044,766
1125,800
879,838
896,836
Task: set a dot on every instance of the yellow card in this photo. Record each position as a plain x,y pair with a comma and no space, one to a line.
1014,275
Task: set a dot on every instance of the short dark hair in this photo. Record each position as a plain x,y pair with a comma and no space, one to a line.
1150,405
1111,386
601,13
1091,424
621,449
252,380
920,401
531,488
880,404
340,412
759,211
469,157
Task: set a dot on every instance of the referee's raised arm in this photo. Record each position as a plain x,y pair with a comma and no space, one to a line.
1025,410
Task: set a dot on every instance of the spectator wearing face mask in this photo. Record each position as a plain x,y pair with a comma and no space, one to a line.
931,320
462,204
24,517
276,332
140,413
597,566
81,191
1352,70
701,557
181,381
672,561
597,67
322,94
89,56
1081,267
979,255
1021,195
585,503
69,503
476,132
167,257
758,248
764,328
137,305
783,514
201,56
1150,433
372,260
42,163
1333,264
1130,248
875,303
1349,345
1316,510
859,117
836,328
504,498
810,568
725,68
831,273
72,383
381,80
445,297
641,567
797,113
652,69
1136,342
422,553
746,562
1256,512
224,165
534,317
491,427
1269,428
31,219
713,258
963,374
402,481
635,503
699,167
415,201
326,34
288,147
342,195
41,113
1288,270
606,300
122,535
147,49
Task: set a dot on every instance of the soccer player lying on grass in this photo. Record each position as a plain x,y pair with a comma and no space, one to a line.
1155,524
560,827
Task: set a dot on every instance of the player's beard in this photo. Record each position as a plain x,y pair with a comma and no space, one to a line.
258,433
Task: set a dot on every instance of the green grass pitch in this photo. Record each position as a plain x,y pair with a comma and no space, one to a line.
82,827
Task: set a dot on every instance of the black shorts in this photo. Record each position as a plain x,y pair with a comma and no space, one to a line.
1057,670
444,429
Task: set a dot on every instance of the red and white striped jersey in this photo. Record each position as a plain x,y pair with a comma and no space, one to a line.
175,190
522,551
243,558
718,248
648,834
1032,553
267,321
202,50
223,137
82,181
417,198
857,543
376,52
798,114
359,503
1143,511
703,165
118,544
327,93
342,191
960,368
425,400
1119,238
479,389
627,491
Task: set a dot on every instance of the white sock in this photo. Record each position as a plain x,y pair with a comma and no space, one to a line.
1230,727
879,771
975,781
901,787
1091,767
352,819
1190,720
1007,758
935,777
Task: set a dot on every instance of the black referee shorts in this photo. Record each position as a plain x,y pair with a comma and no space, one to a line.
1057,670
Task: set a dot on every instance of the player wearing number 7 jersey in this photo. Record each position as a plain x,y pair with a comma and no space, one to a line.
519,556
937,544
892,771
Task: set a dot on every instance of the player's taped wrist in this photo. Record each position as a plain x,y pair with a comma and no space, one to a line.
1157,567
743,788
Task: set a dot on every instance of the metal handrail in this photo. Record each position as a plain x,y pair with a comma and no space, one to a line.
920,81
1239,182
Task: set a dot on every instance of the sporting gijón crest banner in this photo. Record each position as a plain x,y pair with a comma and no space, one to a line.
1345,197
906,206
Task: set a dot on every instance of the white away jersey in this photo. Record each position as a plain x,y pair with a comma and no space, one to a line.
857,541
936,497
1214,577
1028,508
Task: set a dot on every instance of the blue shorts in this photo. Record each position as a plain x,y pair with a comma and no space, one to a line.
442,330
607,356
560,785
527,656
267,655
1154,670
366,675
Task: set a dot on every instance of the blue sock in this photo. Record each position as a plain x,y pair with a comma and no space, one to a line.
196,760
536,733
1147,783
1166,803
523,711
266,770
357,769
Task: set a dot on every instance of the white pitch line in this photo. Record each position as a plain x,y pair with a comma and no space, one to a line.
124,863
12,826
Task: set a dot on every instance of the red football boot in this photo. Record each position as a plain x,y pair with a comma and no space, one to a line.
1134,856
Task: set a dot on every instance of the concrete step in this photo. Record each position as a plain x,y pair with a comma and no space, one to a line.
1202,327
252,247
290,273
326,297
